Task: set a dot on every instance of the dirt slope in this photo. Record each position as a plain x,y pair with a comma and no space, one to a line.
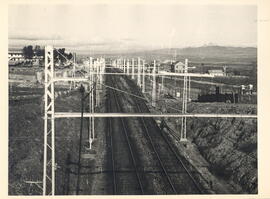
229,145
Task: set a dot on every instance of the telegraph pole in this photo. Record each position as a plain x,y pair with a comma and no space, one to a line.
154,85
80,141
183,135
132,69
124,66
74,69
143,76
139,72
128,67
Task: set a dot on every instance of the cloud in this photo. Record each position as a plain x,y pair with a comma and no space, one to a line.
92,44
33,37
129,39
17,40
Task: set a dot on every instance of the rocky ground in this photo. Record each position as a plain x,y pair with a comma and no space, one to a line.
227,147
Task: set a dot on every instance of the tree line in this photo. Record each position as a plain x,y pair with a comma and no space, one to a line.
59,55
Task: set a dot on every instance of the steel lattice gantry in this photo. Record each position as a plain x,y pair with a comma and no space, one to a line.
183,134
49,165
49,127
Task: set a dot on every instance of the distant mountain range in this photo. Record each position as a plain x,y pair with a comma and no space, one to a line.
209,51
213,54
206,52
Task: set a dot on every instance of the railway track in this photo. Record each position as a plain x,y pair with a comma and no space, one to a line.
196,188
176,176
166,154
122,181
162,165
127,171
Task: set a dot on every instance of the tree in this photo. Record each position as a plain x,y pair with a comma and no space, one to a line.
37,48
28,52
55,54
38,51
202,68
25,51
61,55
69,56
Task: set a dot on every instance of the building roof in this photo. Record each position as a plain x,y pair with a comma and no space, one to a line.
179,63
215,71
167,61
15,51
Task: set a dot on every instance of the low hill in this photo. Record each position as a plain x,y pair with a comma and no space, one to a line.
204,53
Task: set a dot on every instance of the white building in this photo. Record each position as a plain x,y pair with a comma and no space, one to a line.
216,72
179,67
15,55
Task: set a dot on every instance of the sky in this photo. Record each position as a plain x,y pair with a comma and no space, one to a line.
120,27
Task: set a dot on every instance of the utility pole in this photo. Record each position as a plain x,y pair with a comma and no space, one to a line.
189,98
74,69
80,141
183,135
124,67
162,84
154,85
127,67
143,76
139,73
96,80
132,69
93,109
90,101
93,101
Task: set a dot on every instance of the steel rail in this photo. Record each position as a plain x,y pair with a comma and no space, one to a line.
109,123
172,149
157,155
182,164
128,141
177,157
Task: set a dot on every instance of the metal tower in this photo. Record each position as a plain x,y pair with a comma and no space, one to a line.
49,127
143,76
132,69
139,73
154,85
183,135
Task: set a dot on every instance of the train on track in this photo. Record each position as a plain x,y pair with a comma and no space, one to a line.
219,97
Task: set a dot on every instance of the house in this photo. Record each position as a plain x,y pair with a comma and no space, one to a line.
179,67
15,55
216,72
